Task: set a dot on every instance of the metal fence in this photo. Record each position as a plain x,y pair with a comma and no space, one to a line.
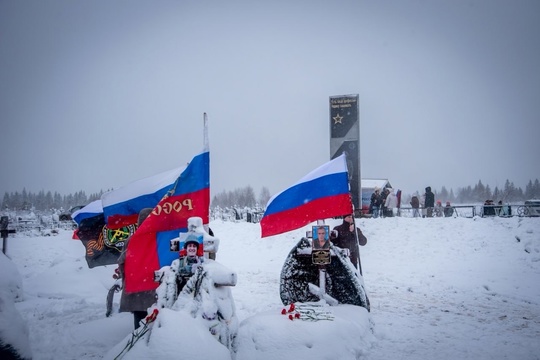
39,225
469,211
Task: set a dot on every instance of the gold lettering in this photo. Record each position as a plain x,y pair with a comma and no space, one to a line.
177,206
167,208
188,203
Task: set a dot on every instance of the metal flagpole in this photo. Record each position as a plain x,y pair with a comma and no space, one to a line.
322,269
357,242
205,132
354,219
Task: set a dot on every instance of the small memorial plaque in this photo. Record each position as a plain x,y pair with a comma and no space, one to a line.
320,257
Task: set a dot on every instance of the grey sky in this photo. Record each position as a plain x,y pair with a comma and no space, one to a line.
96,94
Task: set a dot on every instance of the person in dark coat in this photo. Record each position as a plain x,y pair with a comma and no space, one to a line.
430,201
448,210
384,195
136,303
375,203
346,239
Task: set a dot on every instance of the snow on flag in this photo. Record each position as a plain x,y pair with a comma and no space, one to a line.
121,207
93,209
104,225
149,247
321,194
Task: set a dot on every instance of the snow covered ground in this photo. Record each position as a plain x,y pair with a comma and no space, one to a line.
440,288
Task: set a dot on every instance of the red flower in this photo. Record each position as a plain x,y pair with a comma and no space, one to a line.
283,312
297,315
150,318
291,308
291,317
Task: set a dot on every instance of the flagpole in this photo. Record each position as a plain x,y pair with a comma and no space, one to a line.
205,132
354,221
322,268
206,144
357,243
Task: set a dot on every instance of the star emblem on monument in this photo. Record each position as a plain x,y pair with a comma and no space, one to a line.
337,119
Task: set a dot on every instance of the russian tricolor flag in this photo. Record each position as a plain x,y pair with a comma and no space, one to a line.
321,194
149,247
93,209
121,206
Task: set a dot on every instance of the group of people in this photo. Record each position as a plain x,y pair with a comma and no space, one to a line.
492,209
426,206
383,203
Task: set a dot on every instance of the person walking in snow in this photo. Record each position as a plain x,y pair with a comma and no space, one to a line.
348,236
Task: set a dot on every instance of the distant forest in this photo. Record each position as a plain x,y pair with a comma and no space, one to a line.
479,193
245,197
46,201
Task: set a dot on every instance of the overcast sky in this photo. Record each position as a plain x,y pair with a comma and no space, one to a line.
97,94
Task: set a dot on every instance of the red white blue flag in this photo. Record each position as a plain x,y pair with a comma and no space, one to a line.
121,206
321,194
149,246
89,211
